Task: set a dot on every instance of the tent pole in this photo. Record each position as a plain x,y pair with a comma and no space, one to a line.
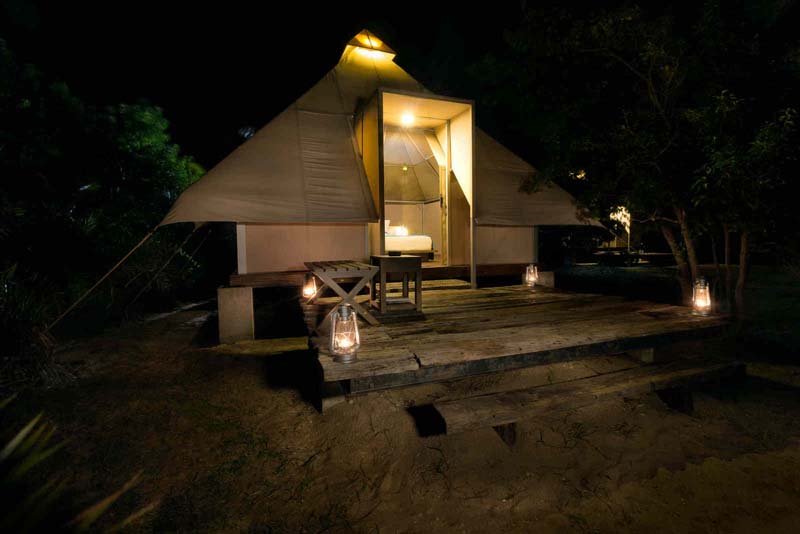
102,279
161,269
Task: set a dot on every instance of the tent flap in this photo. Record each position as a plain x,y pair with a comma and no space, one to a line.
302,167
498,176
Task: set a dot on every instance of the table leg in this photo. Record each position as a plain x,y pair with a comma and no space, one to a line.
418,290
383,291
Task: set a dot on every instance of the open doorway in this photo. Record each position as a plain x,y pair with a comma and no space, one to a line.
414,172
427,178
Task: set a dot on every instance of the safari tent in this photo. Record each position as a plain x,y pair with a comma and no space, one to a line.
369,161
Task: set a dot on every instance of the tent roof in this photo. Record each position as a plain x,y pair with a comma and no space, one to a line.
304,166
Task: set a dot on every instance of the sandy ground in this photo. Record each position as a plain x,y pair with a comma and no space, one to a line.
226,440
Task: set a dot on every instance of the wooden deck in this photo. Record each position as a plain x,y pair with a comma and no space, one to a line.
467,332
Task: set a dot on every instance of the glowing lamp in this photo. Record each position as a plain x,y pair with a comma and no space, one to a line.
310,286
407,119
701,297
402,230
345,340
373,54
531,275
369,46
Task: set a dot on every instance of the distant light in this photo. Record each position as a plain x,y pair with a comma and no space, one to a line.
622,216
405,168
407,119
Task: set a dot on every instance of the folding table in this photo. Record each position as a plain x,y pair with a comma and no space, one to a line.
331,271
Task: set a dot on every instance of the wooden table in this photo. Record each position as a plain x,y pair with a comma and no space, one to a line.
407,265
331,271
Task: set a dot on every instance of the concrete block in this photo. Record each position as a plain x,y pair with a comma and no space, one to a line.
547,279
235,305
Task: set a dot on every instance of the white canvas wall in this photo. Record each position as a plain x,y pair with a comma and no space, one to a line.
504,244
284,247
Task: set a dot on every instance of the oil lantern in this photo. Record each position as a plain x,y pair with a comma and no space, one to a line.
531,275
344,334
701,297
309,286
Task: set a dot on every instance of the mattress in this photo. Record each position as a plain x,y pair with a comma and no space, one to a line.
409,243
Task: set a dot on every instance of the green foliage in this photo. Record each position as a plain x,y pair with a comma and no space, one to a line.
81,185
31,503
746,176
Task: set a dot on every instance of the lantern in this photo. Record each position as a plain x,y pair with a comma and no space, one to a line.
531,275
344,334
701,297
310,286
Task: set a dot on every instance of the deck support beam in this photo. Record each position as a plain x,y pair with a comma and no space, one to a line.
679,399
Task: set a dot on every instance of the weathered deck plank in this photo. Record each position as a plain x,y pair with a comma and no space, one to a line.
467,332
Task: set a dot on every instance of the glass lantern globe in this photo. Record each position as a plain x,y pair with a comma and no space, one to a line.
701,297
345,340
309,286
531,275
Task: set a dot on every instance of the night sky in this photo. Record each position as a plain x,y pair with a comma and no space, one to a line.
216,68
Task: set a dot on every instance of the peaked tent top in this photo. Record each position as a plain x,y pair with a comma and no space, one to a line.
367,40
304,165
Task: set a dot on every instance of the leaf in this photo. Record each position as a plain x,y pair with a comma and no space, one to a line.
15,442
85,519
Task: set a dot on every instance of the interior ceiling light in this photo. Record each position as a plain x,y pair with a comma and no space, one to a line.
407,119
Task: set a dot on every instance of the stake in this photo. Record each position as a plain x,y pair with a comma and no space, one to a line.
102,279
169,260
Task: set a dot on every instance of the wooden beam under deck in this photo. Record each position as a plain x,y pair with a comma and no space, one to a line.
467,332
670,380
429,272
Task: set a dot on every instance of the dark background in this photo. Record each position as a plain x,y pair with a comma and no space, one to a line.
217,67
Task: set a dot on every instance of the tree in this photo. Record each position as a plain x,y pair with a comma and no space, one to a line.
744,183
611,98
81,184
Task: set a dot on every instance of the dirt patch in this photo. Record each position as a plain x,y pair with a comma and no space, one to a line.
227,440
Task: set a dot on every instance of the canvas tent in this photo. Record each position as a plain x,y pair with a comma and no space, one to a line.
315,183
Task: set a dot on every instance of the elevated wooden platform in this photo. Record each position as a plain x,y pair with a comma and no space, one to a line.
467,332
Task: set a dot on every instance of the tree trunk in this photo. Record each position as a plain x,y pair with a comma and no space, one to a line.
741,278
728,279
680,260
688,242
717,269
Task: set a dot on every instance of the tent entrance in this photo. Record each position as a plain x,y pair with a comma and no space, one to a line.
418,156
414,173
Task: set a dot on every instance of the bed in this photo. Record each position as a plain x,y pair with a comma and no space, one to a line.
417,245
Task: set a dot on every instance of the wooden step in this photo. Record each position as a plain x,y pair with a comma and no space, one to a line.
501,409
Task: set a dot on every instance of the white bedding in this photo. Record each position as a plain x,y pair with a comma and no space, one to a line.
404,243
